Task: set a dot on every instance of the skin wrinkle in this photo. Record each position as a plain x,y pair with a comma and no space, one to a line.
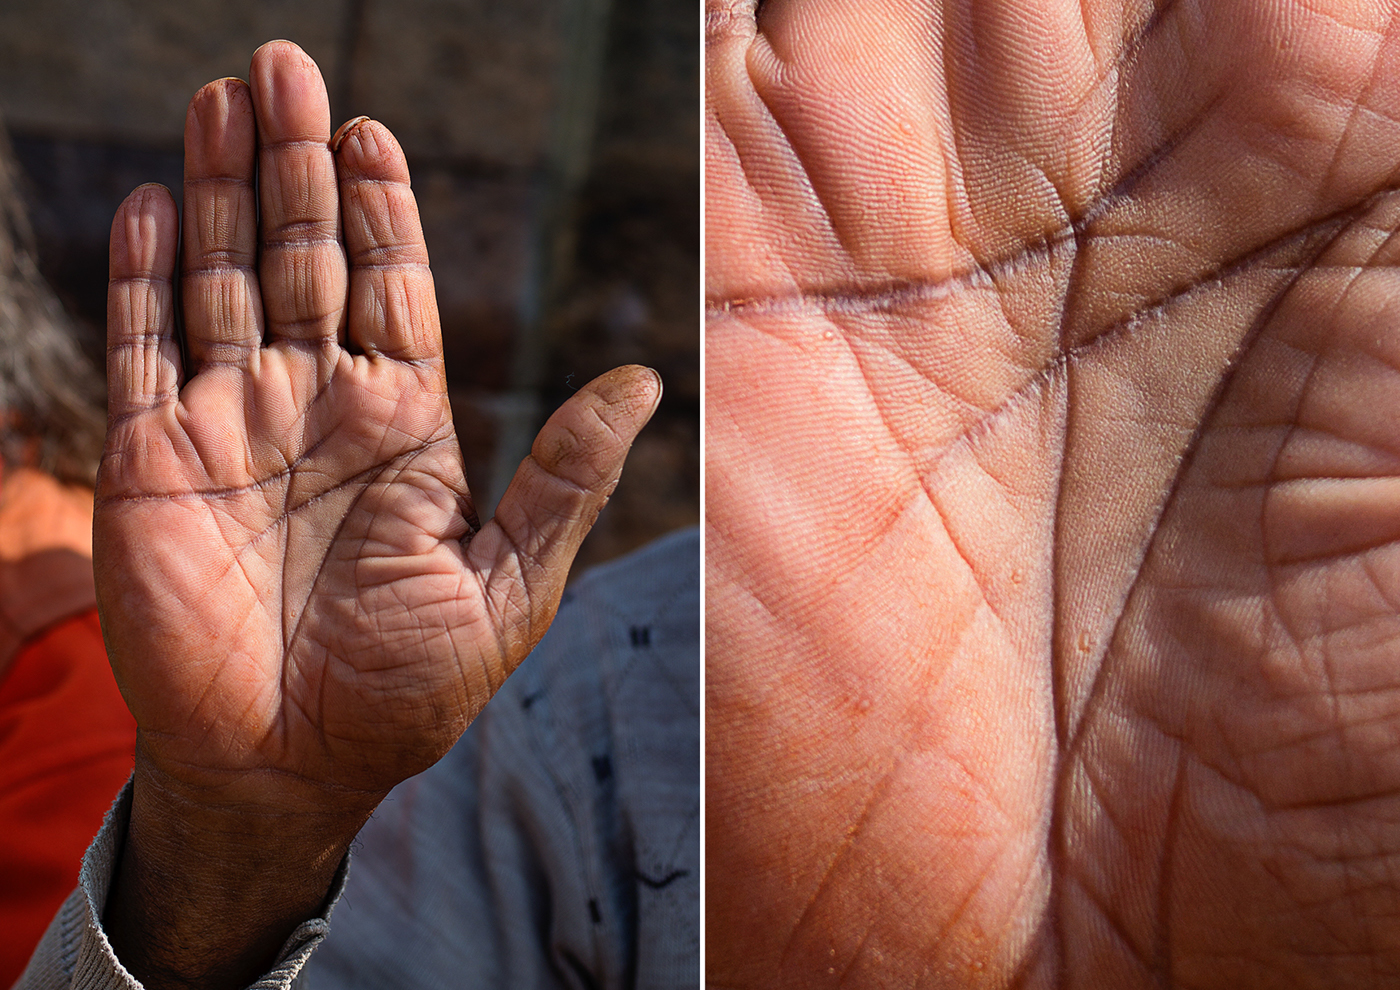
952,167
987,269
852,835
282,773
1297,271
288,667
1036,384
218,262
984,272
311,230
1261,321
1028,966
950,94
1162,950
392,184
961,909
1069,745
1357,108
836,579
407,266
263,483
282,596
796,159
296,244
217,181
266,147
1115,925
842,851
746,171
1379,585
1097,790
153,281
1281,615
1099,207
313,500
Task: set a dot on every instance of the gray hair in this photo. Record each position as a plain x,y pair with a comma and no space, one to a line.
51,397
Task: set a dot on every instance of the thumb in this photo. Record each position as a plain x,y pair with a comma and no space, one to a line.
556,495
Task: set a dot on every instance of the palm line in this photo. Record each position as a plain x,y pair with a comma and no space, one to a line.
1332,226
891,294
1068,750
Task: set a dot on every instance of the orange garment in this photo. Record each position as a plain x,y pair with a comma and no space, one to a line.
66,737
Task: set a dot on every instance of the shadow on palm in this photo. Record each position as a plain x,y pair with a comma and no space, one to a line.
1052,501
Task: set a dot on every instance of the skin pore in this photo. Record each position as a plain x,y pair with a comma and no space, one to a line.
1052,506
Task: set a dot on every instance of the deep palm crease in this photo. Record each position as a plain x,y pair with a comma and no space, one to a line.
1052,500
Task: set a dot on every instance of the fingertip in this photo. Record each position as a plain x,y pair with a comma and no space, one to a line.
587,438
148,193
365,147
219,125
218,94
143,233
289,93
574,467
660,387
633,391
268,49
344,130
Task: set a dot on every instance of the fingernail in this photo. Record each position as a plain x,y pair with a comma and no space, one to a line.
276,41
660,389
344,130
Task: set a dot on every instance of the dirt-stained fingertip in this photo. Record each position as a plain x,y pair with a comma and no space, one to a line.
343,131
633,388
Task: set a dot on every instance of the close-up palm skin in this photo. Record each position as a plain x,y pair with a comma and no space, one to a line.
1053,493
300,604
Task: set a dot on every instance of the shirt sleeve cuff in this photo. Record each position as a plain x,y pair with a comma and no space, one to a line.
75,954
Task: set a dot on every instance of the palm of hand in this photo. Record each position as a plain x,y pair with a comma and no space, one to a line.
313,564
1052,575
295,598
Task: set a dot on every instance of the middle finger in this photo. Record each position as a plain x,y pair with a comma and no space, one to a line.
302,268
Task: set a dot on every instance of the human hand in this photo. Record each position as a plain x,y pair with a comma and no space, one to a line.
1052,507
298,604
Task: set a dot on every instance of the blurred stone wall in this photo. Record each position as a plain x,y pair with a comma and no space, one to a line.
554,150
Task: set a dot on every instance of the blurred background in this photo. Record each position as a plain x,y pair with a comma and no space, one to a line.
554,146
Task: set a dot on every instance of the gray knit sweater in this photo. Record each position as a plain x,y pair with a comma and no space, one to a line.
557,845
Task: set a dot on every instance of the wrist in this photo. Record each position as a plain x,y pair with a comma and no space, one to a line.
214,876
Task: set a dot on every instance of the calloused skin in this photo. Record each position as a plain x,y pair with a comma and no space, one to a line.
299,604
1053,493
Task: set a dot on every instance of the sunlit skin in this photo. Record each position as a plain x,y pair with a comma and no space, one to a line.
299,602
1053,493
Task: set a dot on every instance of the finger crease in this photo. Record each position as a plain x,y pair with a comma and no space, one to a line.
273,146
218,180
279,240
389,266
217,267
363,181
147,279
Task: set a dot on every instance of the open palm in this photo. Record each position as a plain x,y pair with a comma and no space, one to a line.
297,600
1054,493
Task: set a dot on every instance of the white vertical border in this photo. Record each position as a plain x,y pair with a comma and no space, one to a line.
700,305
